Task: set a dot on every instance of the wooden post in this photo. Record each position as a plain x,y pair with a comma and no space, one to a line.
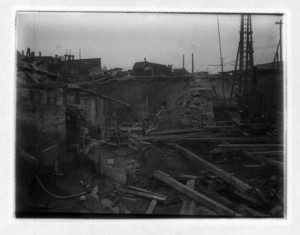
192,63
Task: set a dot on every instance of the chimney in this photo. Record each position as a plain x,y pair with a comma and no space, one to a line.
183,61
145,59
22,52
40,54
28,52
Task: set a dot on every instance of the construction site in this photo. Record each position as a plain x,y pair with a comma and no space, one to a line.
154,140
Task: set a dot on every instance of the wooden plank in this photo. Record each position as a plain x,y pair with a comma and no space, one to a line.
135,128
156,196
250,146
253,212
104,97
237,140
21,85
179,131
269,152
203,211
165,137
260,158
151,207
199,197
227,177
188,177
216,196
187,202
222,128
243,195
191,203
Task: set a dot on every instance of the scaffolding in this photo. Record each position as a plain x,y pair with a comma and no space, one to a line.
243,63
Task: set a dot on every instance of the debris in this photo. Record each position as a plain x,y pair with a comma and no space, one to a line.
277,210
108,204
117,199
203,211
124,209
253,212
142,193
227,177
262,196
199,197
127,198
263,159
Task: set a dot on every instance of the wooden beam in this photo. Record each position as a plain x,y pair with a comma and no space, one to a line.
151,207
143,193
194,130
199,197
188,205
91,92
238,140
238,147
179,131
227,177
260,158
269,152
22,85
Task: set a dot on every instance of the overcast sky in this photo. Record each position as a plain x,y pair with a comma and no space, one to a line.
121,39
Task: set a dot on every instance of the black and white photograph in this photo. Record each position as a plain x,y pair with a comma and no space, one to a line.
150,115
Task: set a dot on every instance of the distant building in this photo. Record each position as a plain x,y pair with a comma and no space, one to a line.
113,72
202,73
180,72
146,68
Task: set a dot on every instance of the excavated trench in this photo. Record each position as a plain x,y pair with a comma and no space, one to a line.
119,173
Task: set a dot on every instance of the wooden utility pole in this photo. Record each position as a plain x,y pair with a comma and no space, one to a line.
221,58
280,25
279,46
192,63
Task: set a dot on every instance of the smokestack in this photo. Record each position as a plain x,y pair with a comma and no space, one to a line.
192,63
183,61
40,54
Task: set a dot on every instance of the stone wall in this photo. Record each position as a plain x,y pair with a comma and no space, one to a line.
40,120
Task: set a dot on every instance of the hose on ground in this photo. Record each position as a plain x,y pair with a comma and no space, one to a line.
56,196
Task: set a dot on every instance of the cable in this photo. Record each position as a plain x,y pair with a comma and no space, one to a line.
55,196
